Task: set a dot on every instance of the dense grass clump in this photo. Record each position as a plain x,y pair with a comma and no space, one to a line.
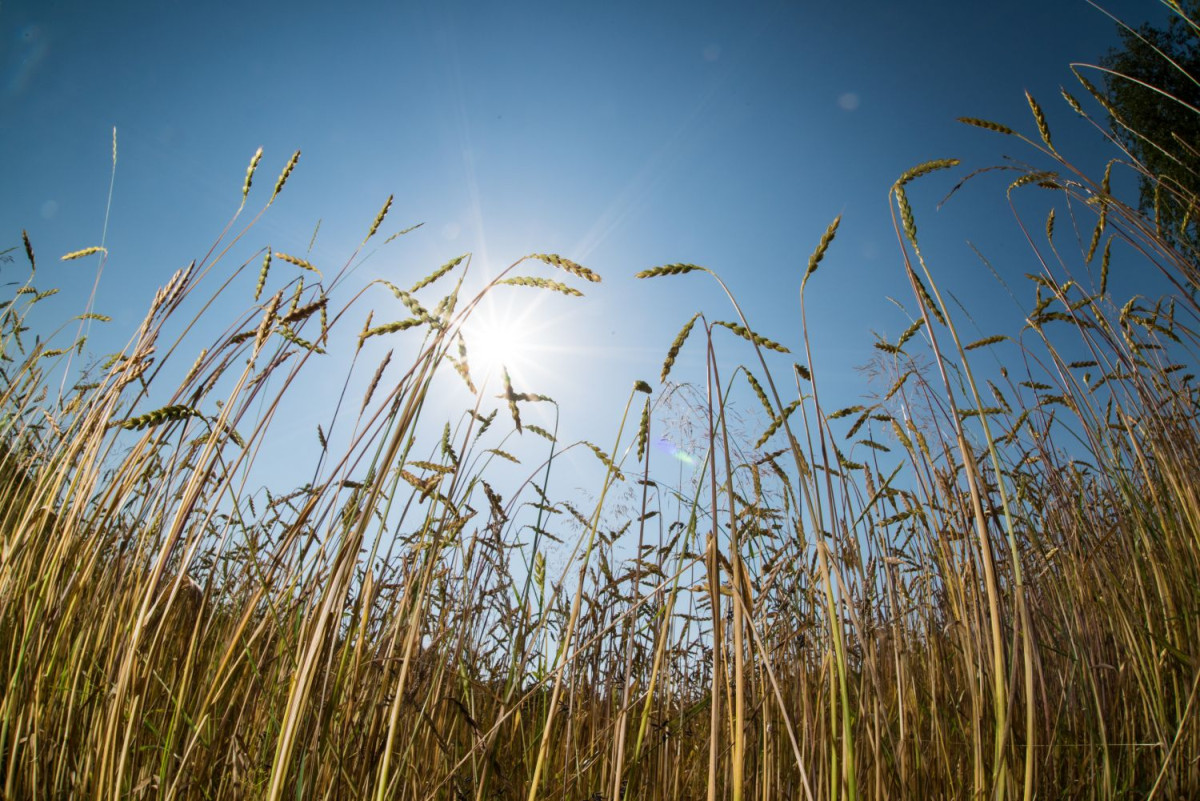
982,581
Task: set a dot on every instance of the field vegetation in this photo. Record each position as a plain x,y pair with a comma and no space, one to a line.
980,581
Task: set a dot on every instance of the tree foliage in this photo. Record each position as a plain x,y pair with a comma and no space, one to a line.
1153,84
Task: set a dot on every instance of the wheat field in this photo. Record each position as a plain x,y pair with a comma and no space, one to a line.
980,581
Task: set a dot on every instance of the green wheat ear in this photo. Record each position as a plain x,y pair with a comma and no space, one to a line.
815,259
262,274
299,262
438,273
924,169
983,343
390,328
555,260
28,250
760,394
379,217
541,432
608,462
988,125
669,269
643,435
540,283
250,173
1039,117
1072,102
159,416
511,397
283,176
673,351
79,254
750,336
910,332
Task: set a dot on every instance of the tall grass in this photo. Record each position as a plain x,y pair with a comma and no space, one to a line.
982,581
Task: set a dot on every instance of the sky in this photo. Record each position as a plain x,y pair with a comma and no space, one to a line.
621,135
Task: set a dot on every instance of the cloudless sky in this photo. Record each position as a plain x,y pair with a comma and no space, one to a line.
622,135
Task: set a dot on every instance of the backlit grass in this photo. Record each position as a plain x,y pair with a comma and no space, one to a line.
980,581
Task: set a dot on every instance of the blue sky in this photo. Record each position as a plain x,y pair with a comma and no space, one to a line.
621,135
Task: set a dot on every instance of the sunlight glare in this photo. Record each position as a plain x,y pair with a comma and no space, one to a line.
502,336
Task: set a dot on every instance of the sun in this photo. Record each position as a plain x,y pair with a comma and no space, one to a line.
503,334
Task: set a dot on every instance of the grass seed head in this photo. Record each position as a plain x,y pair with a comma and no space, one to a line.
79,254
283,176
379,217
250,173
668,269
